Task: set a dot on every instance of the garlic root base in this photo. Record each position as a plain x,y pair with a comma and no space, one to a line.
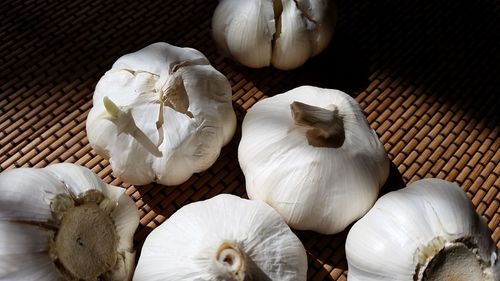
456,261
85,245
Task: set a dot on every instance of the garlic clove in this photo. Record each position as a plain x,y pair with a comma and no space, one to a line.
153,58
244,30
319,18
21,201
209,130
376,241
26,245
125,216
133,148
21,238
130,139
34,267
292,45
207,106
77,180
124,267
421,224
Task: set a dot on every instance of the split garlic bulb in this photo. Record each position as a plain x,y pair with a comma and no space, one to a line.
63,223
161,114
222,238
311,155
284,33
428,231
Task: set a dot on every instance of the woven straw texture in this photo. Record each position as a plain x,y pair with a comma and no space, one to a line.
426,74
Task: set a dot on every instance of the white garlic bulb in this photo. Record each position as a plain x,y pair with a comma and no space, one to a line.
428,231
284,33
311,155
63,223
161,114
222,238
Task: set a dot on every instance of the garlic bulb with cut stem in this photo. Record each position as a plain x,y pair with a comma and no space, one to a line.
63,223
428,231
284,33
311,155
161,114
223,238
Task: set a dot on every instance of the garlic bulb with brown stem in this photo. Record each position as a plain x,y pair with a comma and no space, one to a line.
311,155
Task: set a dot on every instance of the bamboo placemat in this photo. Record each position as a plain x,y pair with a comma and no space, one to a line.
427,74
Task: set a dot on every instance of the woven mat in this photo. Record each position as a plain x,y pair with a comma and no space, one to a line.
427,74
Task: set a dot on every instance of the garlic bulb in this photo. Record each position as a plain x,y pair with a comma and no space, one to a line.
63,223
161,114
311,155
284,33
222,238
428,231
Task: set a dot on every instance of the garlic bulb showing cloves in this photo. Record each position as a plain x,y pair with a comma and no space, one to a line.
63,223
222,238
161,114
311,155
428,231
284,33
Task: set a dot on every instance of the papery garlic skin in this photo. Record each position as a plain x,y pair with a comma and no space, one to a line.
244,30
161,114
282,33
406,229
313,188
196,240
34,203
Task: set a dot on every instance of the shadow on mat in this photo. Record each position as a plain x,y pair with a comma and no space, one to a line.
449,48
394,181
324,253
341,66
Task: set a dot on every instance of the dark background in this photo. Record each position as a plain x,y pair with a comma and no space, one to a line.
426,73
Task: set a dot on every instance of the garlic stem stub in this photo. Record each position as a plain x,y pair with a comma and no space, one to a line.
222,238
161,114
63,223
282,33
310,154
428,231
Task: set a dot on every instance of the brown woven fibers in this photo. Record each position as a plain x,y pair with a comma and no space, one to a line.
427,74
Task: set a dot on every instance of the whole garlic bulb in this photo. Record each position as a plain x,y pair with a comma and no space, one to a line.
284,33
63,223
161,114
428,231
311,155
222,238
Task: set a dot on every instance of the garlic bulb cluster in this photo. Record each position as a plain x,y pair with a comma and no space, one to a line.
63,223
311,155
222,238
428,231
161,114
284,33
